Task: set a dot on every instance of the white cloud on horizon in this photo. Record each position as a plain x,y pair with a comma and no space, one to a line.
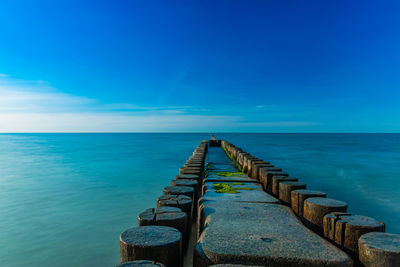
35,106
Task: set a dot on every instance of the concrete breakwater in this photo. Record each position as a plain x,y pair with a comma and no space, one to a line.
229,208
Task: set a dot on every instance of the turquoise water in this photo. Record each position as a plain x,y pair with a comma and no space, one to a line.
65,198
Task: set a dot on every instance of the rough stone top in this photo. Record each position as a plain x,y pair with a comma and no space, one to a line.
164,209
329,202
162,213
293,183
151,236
360,220
274,173
270,169
179,189
175,199
254,160
266,235
187,176
141,263
309,192
236,191
284,177
263,163
381,241
183,182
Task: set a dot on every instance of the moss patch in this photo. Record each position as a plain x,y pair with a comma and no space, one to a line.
228,189
231,157
228,174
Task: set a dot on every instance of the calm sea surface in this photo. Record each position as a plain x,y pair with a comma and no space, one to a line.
65,198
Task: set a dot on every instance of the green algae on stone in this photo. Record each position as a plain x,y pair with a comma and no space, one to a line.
231,157
228,174
238,183
228,189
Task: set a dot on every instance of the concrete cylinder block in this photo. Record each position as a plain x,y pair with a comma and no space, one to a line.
183,202
166,216
379,249
179,190
159,243
286,188
255,168
315,208
299,196
348,228
188,176
266,175
276,179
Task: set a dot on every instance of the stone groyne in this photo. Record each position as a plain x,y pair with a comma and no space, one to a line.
229,208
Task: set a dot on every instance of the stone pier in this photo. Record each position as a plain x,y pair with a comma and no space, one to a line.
230,208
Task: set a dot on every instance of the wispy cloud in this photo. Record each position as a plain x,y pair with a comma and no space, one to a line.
35,106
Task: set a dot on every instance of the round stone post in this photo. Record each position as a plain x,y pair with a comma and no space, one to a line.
345,229
188,176
277,179
183,202
166,216
179,190
159,243
286,188
379,249
315,208
299,196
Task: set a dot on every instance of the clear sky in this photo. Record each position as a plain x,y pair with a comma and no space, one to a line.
241,66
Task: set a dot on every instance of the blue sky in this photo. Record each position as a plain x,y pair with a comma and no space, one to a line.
213,66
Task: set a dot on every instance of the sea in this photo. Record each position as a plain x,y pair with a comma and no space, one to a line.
65,198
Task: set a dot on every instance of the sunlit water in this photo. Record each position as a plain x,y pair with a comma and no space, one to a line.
65,198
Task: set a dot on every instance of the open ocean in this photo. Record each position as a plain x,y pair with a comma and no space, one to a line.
65,198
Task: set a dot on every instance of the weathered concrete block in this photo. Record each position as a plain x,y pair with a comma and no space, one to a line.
159,243
345,229
299,196
266,175
141,263
261,234
329,223
250,162
166,216
379,249
183,202
187,182
315,208
286,188
240,159
190,171
179,190
256,167
188,176
246,160
276,179
196,165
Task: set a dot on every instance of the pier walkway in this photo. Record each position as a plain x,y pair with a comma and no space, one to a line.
228,208
244,225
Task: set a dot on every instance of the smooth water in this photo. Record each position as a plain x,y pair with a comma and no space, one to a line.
65,198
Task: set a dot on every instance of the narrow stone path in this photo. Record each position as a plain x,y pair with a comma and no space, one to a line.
240,223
